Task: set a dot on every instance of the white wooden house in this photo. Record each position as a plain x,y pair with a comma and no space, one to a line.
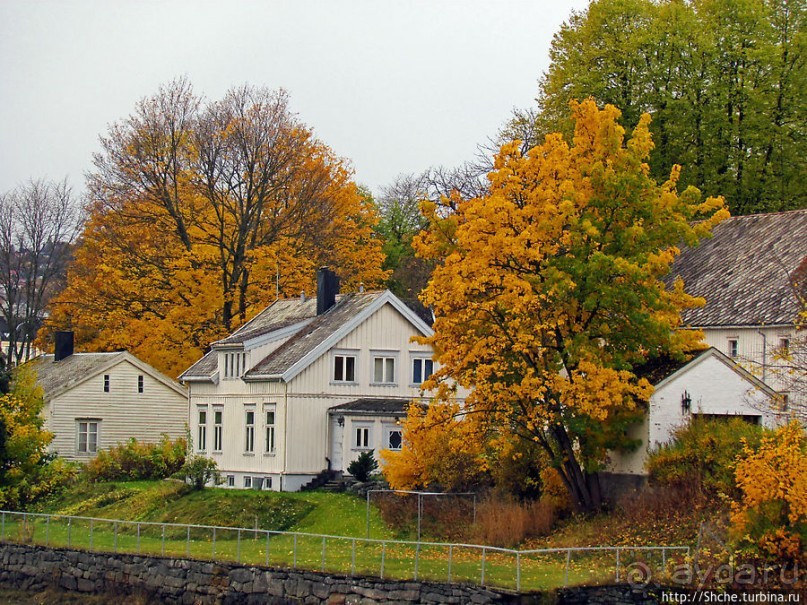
94,401
745,272
307,385
710,385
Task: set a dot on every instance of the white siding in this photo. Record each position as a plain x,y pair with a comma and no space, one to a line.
122,413
756,348
303,436
713,388
313,391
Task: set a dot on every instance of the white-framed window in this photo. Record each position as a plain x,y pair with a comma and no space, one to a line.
393,437
267,483
422,368
269,435
784,345
201,430
87,436
235,364
249,430
106,383
247,481
383,368
344,367
218,428
141,383
361,436
733,347
230,480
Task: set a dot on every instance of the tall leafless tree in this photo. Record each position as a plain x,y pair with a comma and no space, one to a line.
39,222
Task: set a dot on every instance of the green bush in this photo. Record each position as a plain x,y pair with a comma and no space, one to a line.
199,471
134,461
364,466
703,454
41,483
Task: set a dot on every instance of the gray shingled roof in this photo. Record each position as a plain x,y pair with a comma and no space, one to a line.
204,368
280,314
369,406
742,271
55,376
313,334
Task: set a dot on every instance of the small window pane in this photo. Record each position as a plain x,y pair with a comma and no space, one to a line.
395,440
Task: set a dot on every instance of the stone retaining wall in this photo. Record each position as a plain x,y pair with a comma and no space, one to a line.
186,581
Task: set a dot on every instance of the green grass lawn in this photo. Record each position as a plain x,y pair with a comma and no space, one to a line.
258,514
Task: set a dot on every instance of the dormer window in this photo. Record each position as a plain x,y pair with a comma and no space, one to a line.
422,369
344,368
235,364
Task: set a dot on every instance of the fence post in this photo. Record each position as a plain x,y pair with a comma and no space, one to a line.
4,526
322,566
138,538
69,528
663,560
294,562
417,558
238,548
47,531
568,562
420,515
115,525
162,544
267,549
617,564
353,557
482,583
91,524
383,556
214,543
368,513
450,559
518,572
188,543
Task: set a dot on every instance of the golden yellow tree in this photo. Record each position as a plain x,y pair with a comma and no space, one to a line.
771,516
202,215
550,290
441,447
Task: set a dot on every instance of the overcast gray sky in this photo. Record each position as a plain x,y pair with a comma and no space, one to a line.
393,86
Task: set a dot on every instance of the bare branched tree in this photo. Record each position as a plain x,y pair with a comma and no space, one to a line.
39,222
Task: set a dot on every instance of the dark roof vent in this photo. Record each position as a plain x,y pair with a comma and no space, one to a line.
327,289
64,345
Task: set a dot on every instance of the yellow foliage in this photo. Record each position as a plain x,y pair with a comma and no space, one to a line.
772,512
442,446
549,291
26,442
164,282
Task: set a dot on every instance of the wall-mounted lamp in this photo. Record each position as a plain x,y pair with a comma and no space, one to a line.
686,403
340,420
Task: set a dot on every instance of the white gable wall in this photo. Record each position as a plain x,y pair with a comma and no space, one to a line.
713,388
757,349
122,413
313,392
303,434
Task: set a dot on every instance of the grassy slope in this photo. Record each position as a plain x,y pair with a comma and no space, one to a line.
172,502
